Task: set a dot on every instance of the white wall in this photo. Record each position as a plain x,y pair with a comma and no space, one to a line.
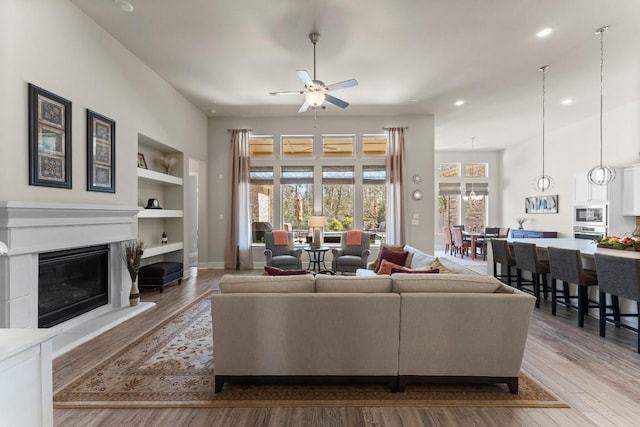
419,140
52,44
569,150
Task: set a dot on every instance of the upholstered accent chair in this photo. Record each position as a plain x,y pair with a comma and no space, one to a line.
282,256
349,258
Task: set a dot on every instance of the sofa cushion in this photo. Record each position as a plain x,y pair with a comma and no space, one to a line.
387,266
392,256
231,283
451,266
418,258
351,284
436,263
376,262
446,283
416,271
275,271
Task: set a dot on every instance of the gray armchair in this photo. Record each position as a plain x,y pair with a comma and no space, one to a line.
282,256
349,258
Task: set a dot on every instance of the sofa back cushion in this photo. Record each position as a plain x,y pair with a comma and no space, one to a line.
446,283
418,258
353,284
231,283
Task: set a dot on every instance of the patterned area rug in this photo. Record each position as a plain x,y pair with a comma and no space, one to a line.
172,366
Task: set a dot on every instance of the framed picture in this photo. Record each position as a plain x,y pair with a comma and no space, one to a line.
49,139
101,153
541,204
142,163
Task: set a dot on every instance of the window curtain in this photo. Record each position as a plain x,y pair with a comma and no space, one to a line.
395,163
237,254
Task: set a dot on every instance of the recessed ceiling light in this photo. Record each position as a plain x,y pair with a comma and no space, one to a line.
459,103
544,32
567,101
123,5
212,111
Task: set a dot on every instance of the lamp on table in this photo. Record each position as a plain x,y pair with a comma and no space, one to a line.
317,225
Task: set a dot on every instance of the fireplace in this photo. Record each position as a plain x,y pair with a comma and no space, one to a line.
36,232
72,282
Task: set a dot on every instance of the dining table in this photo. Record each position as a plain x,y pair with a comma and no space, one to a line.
473,238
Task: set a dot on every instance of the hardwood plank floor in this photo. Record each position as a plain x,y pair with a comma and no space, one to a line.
598,377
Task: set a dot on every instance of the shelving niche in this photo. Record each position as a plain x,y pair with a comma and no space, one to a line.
155,183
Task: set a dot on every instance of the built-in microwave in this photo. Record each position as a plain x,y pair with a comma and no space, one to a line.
590,215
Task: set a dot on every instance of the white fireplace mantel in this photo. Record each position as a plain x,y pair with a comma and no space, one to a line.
31,228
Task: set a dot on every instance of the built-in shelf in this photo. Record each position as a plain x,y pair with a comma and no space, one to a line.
159,249
160,213
150,175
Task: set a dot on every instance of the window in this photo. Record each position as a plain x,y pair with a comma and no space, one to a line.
374,200
261,146
448,170
296,184
337,197
475,170
374,145
337,146
330,175
261,193
297,146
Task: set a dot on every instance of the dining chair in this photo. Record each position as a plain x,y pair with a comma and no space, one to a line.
448,240
566,265
489,233
459,243
620,278
526,256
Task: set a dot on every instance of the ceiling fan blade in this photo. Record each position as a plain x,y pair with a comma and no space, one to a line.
336,101
304,107
305,77
288,92
343,85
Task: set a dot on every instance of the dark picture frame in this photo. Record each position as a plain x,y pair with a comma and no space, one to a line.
101,153
541,204
49,139
142,162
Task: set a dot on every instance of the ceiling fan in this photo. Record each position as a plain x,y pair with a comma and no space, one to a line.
315,91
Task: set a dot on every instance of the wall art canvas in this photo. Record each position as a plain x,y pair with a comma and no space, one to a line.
541,204
101,153
49,139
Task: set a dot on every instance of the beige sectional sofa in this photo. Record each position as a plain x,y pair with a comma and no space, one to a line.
394,329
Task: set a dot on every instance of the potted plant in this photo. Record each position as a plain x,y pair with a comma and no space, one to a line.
132,253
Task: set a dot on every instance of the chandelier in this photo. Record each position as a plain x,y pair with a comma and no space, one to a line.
472,196
544,181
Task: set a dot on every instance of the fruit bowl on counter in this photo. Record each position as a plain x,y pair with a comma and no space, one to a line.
621,243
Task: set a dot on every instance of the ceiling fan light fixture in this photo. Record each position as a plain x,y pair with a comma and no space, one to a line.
315,99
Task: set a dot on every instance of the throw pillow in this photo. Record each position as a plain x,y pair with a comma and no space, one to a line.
392,256
275,271
437,264
387,266
376,262
415,271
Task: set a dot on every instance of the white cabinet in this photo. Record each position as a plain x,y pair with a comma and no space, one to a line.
586,193
167,187
631,191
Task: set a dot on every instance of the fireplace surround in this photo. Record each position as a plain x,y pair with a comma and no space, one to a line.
32,228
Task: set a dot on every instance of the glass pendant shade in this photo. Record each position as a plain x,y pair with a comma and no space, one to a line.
601,174
543,183
315,99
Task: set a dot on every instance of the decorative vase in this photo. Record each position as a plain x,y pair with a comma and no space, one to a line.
520,227
134,294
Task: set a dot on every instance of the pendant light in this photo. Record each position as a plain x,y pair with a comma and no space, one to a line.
543,182
472,194
601,174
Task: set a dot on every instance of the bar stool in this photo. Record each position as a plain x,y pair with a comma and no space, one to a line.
618,277
527,259
502,255
566,265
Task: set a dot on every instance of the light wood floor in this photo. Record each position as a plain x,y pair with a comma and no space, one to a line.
598,377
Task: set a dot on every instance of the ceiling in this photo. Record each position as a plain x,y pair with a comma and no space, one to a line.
409,57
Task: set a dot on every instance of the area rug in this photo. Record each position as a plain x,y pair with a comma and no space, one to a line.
172,366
